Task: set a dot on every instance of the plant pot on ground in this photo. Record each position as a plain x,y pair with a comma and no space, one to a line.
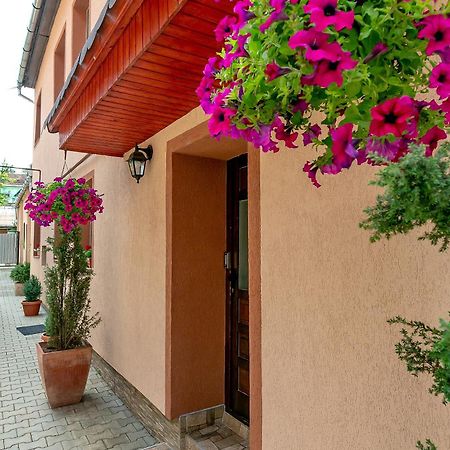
64,361
20,274
32,291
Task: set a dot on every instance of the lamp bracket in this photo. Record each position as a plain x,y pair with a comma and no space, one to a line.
147,150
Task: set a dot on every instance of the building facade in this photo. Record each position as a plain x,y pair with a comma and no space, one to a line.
223,277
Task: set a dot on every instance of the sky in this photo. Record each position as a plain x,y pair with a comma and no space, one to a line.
16,114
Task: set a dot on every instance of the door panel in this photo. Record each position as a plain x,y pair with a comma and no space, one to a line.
237,364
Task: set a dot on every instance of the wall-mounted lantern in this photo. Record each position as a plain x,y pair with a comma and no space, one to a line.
137,161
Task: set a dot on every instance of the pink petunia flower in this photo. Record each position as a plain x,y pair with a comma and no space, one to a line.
313,132
392,116
282,134
445,54
436,28
273,71
316,45
312,173
343,150
241,8
325,13
378,50
220,122
327,72
431,139
440,79
225,28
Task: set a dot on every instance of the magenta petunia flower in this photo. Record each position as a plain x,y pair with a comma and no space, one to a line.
312,173
431,139
311,133
225,28
204,94
392,116
378,50
325,13
384,148
327,72
436,28
283,135
300,106
241,8
343,150
240,51
273,71
220,122
440,79
210,69
445,54
316,45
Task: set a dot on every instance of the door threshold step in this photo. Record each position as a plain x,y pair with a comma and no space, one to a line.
215,437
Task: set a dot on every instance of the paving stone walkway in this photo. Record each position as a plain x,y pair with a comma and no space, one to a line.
101,421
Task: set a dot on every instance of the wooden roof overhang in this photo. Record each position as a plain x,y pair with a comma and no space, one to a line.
137,75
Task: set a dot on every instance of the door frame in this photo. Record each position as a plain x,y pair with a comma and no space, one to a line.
232,304
195,139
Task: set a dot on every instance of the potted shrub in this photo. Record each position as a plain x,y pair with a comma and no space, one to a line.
45,336
20,274
64,360
32,291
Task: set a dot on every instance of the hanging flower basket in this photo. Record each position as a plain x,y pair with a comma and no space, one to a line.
68,203
355,79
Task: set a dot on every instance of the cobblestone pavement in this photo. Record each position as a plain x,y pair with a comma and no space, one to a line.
100,421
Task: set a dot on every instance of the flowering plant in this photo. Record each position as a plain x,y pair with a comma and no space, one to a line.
350,76
68,203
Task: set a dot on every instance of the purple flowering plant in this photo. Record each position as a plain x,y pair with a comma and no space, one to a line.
354,78
69,203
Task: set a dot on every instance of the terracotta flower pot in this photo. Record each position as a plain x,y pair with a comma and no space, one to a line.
45,337
18,288
31,308
64,373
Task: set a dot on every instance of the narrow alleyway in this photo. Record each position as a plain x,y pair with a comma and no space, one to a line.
101,421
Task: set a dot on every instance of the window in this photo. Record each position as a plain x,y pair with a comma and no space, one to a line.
36,240
59,65
80,26
37,120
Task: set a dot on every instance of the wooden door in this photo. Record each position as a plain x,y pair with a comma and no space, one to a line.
236,263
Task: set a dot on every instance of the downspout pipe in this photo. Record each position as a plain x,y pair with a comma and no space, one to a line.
30,39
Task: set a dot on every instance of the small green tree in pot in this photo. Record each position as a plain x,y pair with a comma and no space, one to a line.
20,274
64,360
32,291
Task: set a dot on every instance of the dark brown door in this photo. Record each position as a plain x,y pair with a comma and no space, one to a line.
236,263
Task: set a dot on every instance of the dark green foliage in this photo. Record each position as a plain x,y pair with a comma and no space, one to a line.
32,289
427,446
426,349
21,273
49,325
68,283
416,193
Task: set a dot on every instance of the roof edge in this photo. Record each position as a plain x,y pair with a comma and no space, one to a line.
38,32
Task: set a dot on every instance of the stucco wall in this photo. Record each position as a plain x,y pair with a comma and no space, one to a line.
129,238
330,377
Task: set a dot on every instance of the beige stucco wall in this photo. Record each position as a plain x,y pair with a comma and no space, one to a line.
331,379
129,239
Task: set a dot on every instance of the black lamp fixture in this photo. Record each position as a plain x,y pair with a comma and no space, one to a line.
137,161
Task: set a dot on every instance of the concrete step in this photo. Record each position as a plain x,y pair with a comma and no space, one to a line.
215,437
